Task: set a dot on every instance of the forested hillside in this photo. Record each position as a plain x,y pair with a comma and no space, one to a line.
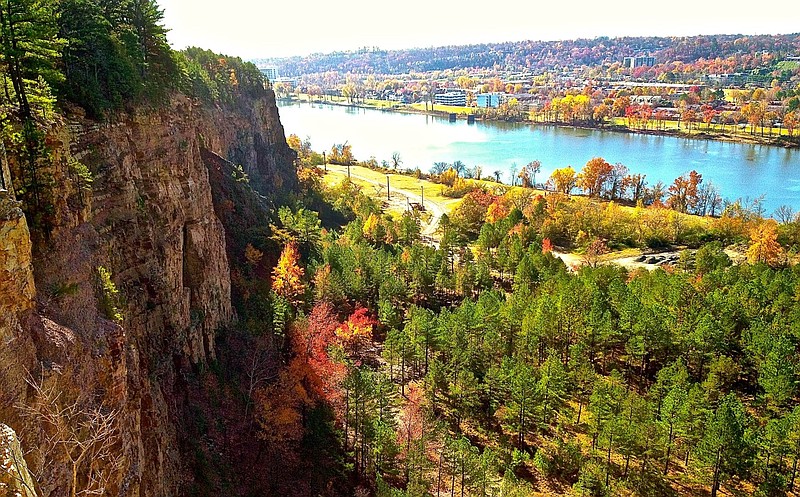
484,366
725,53
102,57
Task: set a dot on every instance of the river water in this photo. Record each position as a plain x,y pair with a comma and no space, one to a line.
740,171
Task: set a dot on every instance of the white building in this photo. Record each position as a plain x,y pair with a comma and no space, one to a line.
455,98
639,61
271,73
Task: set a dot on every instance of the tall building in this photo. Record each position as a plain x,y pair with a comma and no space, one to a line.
489,99
639,61
271,73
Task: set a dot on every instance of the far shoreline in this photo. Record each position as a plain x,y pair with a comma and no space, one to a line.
400,108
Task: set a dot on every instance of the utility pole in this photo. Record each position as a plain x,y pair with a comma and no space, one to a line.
422,188
324,162
348,170
388,196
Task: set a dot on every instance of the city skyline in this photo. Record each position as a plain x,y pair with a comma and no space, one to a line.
254,31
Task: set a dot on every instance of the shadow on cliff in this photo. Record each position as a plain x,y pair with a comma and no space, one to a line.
225,443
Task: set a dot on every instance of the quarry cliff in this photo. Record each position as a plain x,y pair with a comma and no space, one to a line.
108,309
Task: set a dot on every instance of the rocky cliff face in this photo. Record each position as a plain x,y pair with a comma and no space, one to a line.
148,219
15,480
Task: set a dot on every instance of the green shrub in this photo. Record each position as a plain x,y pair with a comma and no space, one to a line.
109,296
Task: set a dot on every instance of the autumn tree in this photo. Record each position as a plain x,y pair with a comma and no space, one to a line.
764,246
563,180
279,408
683,193
594,176
356,332
312,338
288,274
411,429
341,153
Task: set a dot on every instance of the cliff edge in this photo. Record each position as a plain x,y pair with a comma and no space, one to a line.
103,316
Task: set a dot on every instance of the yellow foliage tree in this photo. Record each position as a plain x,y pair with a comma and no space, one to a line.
563,179
288,275
371,227
448,177
764,246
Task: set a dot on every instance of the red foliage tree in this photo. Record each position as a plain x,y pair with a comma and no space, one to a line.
356,332
311,342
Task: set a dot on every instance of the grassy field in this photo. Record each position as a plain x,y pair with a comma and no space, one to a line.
445,108
378,104
401,182
699,128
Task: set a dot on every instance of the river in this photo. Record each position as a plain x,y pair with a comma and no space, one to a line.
740,171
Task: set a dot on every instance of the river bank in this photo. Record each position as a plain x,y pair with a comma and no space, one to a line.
463,112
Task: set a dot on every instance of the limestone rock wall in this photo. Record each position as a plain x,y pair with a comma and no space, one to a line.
148,218
15,480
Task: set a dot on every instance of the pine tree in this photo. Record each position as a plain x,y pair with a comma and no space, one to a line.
724,448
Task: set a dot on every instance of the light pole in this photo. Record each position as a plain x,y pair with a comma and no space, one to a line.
388,196
324,162
422,189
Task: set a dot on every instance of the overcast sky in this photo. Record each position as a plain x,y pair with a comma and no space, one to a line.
253,29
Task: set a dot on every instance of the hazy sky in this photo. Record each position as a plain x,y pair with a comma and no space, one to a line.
252,28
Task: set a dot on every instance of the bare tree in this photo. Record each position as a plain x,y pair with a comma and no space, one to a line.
258,371
86,435
785,214
459,167
708,200
439,167
528,173
396,160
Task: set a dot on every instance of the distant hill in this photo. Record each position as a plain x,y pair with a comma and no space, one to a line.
538,56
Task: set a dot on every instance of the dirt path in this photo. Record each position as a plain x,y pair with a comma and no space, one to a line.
429,229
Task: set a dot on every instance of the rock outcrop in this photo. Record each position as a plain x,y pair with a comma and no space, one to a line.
148,221
15,480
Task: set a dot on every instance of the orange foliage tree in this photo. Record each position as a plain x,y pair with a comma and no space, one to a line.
683,191
280,406
764,246
594,176
312,342
412,426
497,210
288,275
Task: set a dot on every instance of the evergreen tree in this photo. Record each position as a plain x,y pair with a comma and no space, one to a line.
724,449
